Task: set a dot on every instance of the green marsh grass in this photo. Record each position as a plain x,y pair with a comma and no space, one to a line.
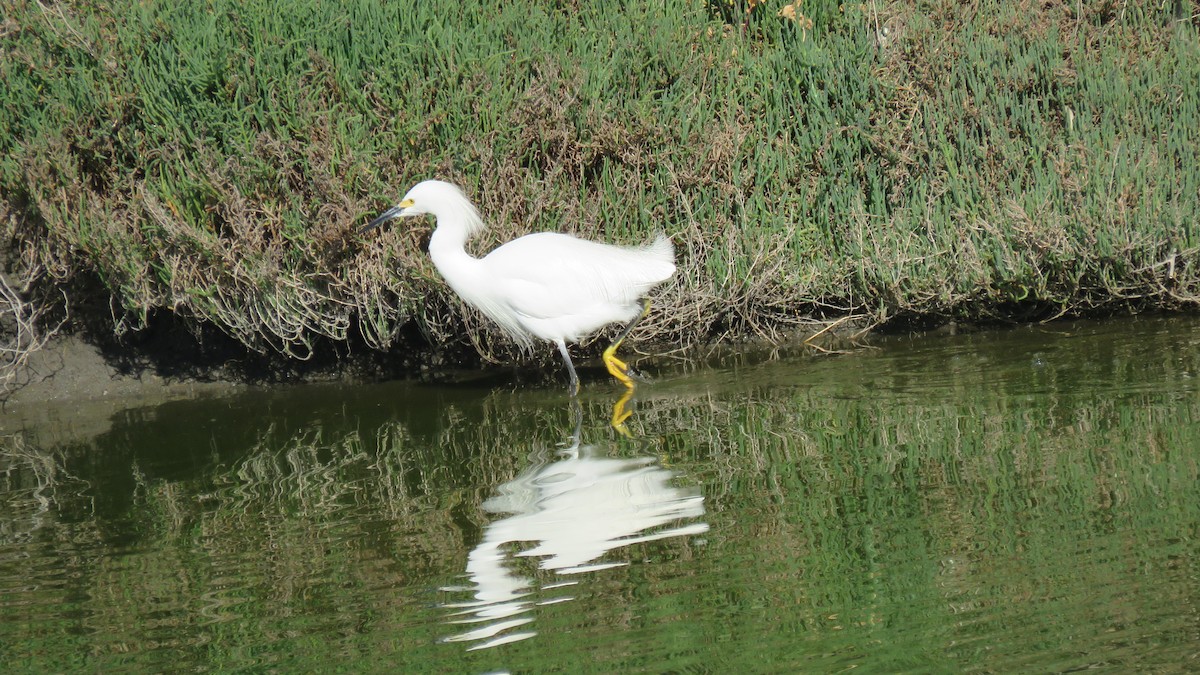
212,161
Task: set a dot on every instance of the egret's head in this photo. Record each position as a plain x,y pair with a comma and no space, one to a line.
431,196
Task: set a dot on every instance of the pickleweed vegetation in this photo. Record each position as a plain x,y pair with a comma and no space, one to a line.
810,160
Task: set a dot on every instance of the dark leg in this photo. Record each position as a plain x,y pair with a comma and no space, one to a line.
616,367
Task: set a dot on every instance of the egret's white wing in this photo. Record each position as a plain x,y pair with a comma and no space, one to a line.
549,276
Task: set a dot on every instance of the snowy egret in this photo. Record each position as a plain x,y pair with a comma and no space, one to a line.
546,285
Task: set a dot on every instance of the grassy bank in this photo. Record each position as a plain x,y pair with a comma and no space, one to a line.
211,161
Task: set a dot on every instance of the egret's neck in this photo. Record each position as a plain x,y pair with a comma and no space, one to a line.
447,250
457,220
448,240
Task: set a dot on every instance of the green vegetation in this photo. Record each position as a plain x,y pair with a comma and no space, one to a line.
212,160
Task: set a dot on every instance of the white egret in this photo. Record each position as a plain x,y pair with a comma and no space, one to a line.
546,285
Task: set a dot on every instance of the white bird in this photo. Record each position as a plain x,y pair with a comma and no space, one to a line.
545,285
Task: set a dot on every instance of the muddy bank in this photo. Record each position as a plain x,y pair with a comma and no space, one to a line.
71,369
71,391
77,381
170,357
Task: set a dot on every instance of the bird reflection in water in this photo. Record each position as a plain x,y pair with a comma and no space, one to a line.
568,514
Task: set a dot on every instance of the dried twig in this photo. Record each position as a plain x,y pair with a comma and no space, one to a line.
22,331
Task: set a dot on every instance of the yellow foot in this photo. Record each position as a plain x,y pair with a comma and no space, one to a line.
621,413
616,367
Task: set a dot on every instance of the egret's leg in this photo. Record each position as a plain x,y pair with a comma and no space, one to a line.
577,415
621,413
616,367
574,386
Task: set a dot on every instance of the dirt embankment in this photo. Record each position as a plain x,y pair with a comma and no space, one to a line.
71,369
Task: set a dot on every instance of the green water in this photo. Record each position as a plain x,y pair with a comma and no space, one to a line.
1010,501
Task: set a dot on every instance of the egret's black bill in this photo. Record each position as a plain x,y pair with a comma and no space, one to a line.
383,218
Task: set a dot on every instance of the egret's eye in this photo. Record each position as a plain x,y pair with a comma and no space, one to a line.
406,203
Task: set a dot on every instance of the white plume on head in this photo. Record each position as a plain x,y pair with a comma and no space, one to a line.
447,203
